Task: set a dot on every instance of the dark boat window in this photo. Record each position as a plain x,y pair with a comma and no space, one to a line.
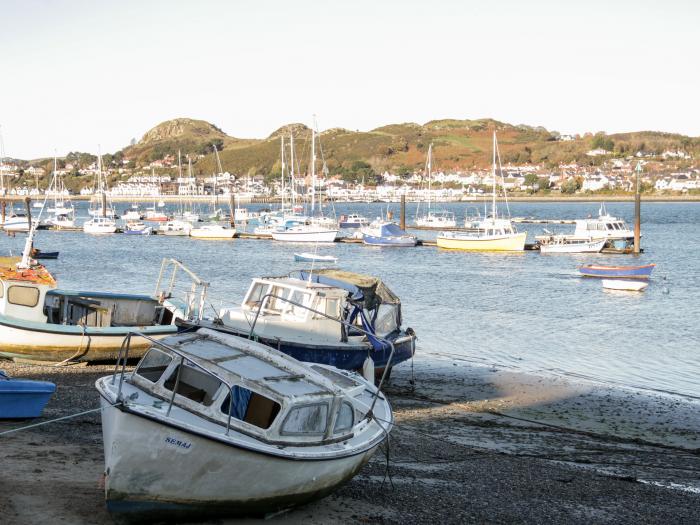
250,407
23,296
306,420
153,365
193,384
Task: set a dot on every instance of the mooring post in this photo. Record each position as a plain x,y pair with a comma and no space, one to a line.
28,204
231,207
403,211
104,203
637,211
3,208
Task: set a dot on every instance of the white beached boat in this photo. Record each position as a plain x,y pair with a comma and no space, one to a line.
214,424
212,231
490,234
100,225
314,257
568,244
630,286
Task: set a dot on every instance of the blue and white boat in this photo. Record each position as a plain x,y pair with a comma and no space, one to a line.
23,398
137,228
353,220
332,317
617,272
385,233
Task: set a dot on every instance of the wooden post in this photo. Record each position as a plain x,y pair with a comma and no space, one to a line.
231,207
637,211
28,204
104,204
403,211
3,210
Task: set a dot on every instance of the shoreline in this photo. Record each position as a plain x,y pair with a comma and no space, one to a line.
471,444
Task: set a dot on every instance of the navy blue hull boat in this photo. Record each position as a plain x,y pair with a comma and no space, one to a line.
23,398
343,319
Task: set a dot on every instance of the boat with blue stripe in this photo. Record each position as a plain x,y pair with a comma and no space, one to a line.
617,272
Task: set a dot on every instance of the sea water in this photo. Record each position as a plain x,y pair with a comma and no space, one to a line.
527,311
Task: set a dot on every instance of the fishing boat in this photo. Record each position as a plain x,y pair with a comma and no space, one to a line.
313,257
175,228
617,272
386,233
353,220
210,424
628,286
40,322
100,226
40,254
605,226
153,214
568,244
132,214
493,233
23,398
137,228
212,231
434,218
343,319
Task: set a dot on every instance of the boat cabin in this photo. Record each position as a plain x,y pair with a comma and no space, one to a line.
306,307
604,226
247,387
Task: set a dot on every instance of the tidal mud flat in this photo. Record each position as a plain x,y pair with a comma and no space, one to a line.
471,444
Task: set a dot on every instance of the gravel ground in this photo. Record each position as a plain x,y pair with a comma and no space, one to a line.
460,453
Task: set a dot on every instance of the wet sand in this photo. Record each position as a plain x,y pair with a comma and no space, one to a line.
472,444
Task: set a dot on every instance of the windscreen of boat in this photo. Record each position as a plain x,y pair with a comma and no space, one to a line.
310,420
387,321
153,365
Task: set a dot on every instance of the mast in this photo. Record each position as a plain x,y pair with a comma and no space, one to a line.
282,171
493,176
313,170
291,170
430,172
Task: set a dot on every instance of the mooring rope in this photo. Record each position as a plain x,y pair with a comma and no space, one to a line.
63,418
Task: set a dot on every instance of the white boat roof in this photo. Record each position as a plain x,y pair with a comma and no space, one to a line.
237,360
293,281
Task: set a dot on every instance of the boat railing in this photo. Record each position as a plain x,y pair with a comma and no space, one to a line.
123,356
342,322
195,298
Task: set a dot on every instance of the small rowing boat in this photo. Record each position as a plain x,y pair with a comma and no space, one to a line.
617,272
312,257
23,398
629,286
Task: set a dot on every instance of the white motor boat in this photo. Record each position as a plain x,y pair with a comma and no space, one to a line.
137,228
215,424
569,244
628,286
17,222
62,220
175,228
212,231
306,233
132,215
100,225
604,226
437,219
353,220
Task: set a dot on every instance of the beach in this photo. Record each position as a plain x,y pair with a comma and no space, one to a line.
472,444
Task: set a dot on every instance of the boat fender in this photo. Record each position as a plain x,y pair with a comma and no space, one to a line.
368,369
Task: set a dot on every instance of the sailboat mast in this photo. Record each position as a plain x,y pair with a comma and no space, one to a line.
291,171
313,170
283,166
493,176
430,173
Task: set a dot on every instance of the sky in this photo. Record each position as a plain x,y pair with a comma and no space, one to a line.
78,75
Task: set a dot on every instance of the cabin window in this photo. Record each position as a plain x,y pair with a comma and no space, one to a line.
251,407
332,307
256,295
23,296
387,319
194,384
309,419
301,298
344,421
275,305
153,365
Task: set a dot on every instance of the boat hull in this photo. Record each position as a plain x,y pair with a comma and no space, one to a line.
506,243
628,286
399,242
22,398
617,272
311,236
30,341
583,247
146,463
303,257
209,234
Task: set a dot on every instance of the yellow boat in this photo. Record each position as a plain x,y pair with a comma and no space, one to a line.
506,242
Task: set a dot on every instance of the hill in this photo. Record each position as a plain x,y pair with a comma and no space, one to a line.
398,148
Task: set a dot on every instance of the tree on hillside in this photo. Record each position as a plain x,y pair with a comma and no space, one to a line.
601,141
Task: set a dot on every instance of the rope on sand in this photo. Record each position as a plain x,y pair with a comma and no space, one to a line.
63,418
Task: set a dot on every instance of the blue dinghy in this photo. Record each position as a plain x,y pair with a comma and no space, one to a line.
23,398
617,272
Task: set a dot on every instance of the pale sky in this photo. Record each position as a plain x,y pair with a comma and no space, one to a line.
75,74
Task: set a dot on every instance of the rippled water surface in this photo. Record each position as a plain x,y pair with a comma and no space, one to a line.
526,310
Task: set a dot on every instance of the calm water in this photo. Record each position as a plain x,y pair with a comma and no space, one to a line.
527,311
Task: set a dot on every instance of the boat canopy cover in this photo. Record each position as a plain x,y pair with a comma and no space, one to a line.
370,290
392,230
